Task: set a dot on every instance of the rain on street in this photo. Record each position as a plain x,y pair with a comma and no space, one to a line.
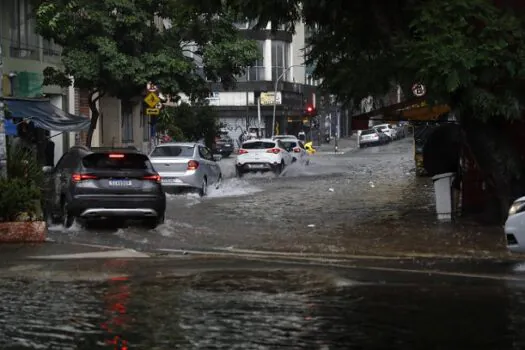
341,204
308,208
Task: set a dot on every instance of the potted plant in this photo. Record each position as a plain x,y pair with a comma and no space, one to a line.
21,218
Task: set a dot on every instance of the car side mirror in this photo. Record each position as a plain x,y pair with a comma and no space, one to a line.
47,169
217,157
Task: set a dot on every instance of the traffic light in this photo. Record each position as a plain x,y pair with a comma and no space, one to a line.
310,111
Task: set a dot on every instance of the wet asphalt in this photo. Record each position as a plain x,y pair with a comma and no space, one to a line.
247,304
307,209
285,273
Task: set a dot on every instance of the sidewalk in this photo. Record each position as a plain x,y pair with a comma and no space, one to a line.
344,145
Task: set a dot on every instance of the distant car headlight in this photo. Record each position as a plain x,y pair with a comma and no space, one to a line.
516,207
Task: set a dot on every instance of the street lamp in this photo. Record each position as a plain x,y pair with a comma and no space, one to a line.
275,94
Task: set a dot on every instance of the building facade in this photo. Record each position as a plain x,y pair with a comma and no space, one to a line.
282,61
123,123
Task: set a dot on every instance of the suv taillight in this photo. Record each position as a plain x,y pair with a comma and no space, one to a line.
193,165
155,178
297,150
273,150
243,151
77,177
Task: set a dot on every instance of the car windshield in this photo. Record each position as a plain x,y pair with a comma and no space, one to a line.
116,161
258,145
173,151
368,132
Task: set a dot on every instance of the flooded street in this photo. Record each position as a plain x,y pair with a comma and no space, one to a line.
366,201
342,254
169,306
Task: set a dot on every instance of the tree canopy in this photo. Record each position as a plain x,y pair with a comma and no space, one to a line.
115,47
468,53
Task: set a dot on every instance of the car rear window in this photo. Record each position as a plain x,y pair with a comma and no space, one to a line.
118,161
289,144
258,145
173,151
368,132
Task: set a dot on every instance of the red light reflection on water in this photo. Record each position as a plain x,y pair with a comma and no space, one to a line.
116,299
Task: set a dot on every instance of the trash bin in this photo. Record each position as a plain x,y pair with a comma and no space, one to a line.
443,195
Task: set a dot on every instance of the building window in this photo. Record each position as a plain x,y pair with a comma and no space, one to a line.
24,42
127,121
280,59
50,49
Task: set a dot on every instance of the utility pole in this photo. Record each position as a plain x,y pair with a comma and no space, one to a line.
3,145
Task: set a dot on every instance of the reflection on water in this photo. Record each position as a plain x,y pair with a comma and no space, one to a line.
257,311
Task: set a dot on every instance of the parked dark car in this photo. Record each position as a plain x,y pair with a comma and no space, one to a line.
104,183
224,146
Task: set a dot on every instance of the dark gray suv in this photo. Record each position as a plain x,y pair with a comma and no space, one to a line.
104,183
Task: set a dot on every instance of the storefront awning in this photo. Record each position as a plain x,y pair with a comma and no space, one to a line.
44,115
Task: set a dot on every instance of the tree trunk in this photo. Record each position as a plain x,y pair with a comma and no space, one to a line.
94,96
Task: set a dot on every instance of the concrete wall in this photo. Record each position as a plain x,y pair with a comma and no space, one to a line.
298,74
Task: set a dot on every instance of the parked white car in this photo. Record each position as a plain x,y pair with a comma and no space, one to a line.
515,227
262,155
297,150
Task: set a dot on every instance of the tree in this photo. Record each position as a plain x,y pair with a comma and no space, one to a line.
114,48
190,123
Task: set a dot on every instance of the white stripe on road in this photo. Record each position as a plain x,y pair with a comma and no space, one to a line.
124,253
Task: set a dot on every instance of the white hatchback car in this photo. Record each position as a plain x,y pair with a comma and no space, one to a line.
297,150
262,155
515,227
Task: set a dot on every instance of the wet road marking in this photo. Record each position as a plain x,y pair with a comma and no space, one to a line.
316,255
340,263
124,253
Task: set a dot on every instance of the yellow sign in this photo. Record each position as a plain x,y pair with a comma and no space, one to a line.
152,111
152,99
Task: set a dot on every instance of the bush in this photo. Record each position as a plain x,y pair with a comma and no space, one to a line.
18,198
22,164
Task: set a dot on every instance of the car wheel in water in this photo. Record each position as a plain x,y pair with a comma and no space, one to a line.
279,169
67,219
203,191
239,172
153,223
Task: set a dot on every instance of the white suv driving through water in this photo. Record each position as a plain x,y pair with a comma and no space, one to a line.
262,155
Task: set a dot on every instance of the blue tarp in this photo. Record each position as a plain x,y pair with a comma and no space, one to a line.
10,128
44,115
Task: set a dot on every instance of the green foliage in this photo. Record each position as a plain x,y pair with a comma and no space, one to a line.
17,197
190,123
116,47
22,165
468,53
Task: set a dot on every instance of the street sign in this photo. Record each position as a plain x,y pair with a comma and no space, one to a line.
419,90
152,111
152,99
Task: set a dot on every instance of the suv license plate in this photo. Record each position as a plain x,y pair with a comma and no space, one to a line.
257,166
170,180
120,183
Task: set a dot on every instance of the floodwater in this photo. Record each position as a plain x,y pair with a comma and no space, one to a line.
261,310
366,201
